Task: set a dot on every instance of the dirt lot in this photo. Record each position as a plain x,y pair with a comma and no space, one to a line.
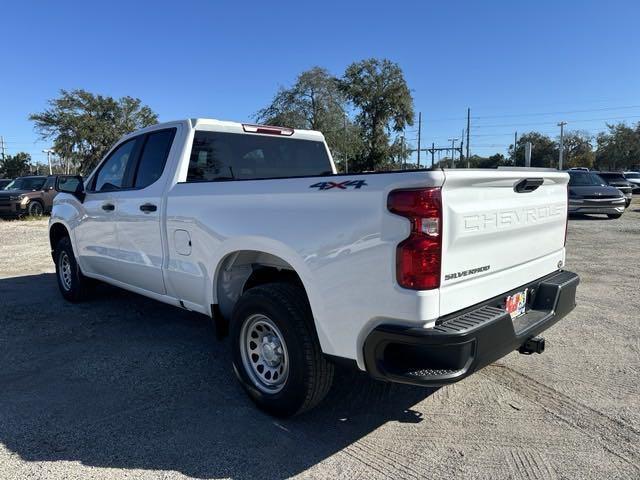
123,387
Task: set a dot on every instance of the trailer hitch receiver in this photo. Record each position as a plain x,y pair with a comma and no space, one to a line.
532,345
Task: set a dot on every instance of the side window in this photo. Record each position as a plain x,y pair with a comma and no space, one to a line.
154,157
51,181
211,158
111,175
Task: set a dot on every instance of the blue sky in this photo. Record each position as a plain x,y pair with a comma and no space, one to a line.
517,65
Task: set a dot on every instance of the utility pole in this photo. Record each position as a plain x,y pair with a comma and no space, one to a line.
561,125
515,142
48,151
468,129
433,153
453,154
2,147
419,134
344,146
462,146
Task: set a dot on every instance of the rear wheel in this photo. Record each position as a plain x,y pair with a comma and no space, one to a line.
614,215
73,285
276,353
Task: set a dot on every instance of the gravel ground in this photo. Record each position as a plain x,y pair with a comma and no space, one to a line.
124,387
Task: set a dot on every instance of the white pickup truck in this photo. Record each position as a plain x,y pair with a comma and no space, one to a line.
421,277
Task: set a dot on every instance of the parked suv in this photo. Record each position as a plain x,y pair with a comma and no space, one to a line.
31,195
589,193
616,179
633,178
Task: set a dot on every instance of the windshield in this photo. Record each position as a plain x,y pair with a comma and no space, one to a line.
632,175
585,179
26,183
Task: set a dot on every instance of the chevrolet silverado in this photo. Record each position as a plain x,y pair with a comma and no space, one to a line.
421,277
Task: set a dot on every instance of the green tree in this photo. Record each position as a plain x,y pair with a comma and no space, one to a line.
83,125
494,161
15,165
618,148
315,102
544,150
378,90
578,149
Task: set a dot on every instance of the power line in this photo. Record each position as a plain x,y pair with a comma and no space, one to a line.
558,112
533,114
553,123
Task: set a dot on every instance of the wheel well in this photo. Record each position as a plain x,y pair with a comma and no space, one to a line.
56,233
263,274
246,269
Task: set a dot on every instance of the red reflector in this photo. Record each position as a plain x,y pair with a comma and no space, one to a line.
268,129
418,257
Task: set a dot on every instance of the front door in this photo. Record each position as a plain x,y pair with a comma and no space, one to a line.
96,235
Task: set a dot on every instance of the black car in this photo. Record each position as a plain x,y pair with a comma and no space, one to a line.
616,179
589,193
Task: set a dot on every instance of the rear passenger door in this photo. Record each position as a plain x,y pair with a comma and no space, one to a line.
139,209
48,192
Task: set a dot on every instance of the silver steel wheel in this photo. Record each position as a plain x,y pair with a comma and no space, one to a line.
264,353
64,270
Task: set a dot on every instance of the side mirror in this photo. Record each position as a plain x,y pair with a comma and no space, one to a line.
71,184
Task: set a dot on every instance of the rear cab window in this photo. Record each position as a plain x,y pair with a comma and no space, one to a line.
220,156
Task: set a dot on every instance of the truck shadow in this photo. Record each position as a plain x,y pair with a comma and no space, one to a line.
125,382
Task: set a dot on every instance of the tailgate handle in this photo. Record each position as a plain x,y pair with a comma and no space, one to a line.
528,185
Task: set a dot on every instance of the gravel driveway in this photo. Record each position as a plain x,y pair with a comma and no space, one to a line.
124,387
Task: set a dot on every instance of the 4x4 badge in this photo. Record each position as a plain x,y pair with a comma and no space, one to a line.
339,185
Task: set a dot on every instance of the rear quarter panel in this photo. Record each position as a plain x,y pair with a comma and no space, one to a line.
341,242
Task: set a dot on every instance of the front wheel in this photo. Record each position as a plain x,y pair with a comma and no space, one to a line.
276,353
35,209
73,285
614,215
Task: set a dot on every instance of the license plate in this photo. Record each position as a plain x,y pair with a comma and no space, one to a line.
516,304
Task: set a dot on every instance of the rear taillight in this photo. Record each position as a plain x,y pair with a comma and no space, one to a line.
267,129
418,257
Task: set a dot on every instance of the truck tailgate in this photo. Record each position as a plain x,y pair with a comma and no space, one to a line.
500,231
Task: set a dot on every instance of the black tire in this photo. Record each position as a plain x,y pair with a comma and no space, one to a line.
614,215
309,375
35,208
74,287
